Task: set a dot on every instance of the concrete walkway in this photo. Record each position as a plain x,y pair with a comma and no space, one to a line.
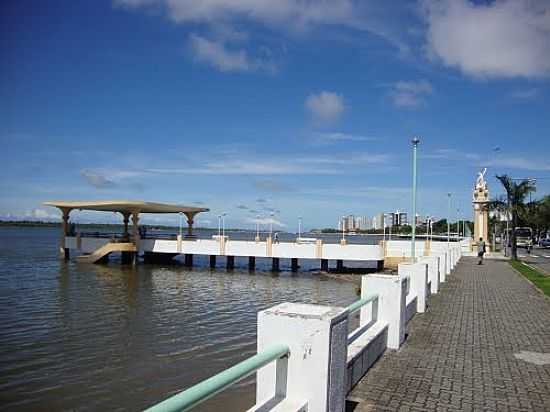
483,344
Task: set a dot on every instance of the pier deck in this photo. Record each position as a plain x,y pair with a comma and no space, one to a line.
483,344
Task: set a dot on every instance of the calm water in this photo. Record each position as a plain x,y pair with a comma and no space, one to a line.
90,337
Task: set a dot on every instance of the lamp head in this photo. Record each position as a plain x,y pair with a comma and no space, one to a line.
415,141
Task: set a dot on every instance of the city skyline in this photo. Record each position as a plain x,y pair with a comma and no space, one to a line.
261,108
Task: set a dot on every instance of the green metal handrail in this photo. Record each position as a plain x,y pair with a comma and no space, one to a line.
361,302
204,390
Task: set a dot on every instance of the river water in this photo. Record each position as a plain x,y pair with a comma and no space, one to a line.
112,337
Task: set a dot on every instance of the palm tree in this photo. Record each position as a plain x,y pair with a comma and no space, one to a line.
514,203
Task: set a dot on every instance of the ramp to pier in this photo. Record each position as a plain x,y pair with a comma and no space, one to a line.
106,250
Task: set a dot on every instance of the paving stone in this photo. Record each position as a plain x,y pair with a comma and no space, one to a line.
460,354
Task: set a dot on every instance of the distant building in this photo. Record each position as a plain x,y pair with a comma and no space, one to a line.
379,221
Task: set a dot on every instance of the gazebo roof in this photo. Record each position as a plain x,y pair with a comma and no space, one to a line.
126,206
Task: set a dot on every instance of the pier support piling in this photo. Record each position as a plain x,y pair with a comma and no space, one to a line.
230,262
251,263
212,261
275,265
188,260
294,264
324,265
339,265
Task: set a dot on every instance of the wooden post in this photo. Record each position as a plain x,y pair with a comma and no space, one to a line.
324,265
275,265
212,261
294,264
251,263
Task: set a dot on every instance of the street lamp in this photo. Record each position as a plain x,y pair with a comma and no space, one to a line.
414,142
181,224
457,223
219,226
449,219
299,227
223,224
257,228
271,224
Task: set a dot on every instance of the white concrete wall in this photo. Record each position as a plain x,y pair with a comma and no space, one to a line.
317,337
301,251
286,250
418,276
433,271
402,248
392,292
352,252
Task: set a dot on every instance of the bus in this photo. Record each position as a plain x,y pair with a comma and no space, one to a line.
524,237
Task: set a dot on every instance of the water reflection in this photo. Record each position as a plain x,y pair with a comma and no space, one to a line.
121,337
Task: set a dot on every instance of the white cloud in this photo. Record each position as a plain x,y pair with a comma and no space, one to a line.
97,179
525,94
505,38
521,163
43,214
335,137
299,14
217,54
325,106
265,221
410,94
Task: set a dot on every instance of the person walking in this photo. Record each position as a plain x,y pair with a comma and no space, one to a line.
480,250
276,240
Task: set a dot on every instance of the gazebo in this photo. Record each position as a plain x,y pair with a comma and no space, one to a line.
127,208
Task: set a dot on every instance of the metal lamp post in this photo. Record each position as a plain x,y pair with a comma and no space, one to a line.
457,223
449,219
181,224
299,227
223,224
415,142
219,226
257,227
271,224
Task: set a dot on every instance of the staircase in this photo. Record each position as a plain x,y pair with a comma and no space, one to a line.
105,250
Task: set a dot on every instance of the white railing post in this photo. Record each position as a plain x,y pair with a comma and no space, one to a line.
433,272
317,338
392,294
451,259
418,274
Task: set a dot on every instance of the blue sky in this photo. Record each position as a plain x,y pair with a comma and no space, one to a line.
253,106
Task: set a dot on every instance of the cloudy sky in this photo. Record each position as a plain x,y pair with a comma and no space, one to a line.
252,107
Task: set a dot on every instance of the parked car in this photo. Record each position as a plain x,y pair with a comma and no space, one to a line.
544,242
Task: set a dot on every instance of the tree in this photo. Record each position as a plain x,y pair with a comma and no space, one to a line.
514,203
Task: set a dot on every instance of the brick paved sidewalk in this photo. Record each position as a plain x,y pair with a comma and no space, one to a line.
461,354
